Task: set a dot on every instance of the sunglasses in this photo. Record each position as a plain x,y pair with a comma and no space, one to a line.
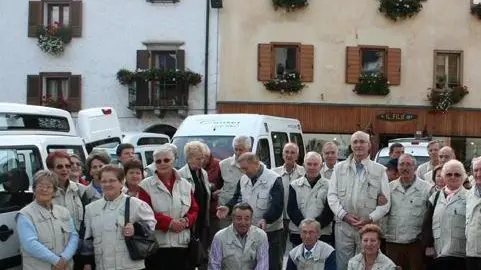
165,160
61,166
453,174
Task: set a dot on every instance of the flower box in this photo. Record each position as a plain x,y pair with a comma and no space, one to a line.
400,9
372,84
441,99
290,5
287,83
52,39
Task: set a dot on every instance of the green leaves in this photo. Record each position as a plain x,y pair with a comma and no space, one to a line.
287,83
372,84
400,9
126,77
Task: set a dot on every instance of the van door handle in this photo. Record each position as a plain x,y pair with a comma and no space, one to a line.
5,233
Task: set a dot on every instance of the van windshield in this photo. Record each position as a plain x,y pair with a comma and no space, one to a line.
220,146
419,160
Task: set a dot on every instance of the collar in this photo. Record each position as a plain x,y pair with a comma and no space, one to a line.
261,170
234,162
155,180
284,170
307,183
113,204
327,168
311,250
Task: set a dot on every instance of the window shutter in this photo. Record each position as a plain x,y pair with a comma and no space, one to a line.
307,63
394,66
34,17
76,18
180,54
353,64
264,58
75,93
143,59
34,90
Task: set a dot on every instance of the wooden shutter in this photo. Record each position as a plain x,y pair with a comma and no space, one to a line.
34,17
264,58
76,18
307,63
34,90
180,54
394,66
143,59
353,64
75,93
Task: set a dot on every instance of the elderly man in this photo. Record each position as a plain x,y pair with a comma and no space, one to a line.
473,216
445,154
241,246
396,150
409,197
231,173
330,154
312,253
354,188
433,149
262,189
289,172
308,199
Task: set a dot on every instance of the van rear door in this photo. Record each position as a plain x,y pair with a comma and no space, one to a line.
99,127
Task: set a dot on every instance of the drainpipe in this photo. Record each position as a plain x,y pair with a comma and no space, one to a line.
206,67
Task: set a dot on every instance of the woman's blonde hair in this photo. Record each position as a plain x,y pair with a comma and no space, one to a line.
192,148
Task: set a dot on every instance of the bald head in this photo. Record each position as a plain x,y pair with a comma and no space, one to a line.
446,154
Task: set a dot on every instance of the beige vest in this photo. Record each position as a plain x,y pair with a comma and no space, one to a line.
319,255
105,221
473,223
175,205
71,199
231,174
236,257
405,220
311,201
259,198
186,174
287,179
423,169
53,229
449,224
382,262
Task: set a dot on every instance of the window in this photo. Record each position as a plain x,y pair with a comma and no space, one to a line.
18,162
475,2
69,149
448,69
297,139
373,60
58,13
55,89
165,60
152,140
279,139
264,152
277,59
149,157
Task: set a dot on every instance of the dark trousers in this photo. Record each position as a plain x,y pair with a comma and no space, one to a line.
408,256
473,263
80,261
449,263
275,254
285,236
168,259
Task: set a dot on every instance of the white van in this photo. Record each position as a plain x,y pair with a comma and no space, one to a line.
268,134
27,134
418,148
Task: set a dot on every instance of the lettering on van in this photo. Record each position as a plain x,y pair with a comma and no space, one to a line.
397,116
215,124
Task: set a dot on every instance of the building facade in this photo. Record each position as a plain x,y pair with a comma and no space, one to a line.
347,56
161,37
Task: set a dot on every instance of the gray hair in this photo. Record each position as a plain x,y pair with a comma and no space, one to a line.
475,161
440,143
242,140
455,163
309,221
312,154
328,144
45,175
192,148
362,134
207,151
164,149
249,157
291,144
409,156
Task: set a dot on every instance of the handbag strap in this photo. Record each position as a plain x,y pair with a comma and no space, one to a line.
127,210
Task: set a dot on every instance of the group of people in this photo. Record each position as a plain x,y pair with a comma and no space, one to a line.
354,214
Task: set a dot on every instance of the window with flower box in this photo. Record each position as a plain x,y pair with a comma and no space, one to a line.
55,89
448,69
52,12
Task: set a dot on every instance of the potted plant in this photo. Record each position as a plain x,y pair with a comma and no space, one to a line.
441,99
290,5
400,9
52,39
289,82
126,77
371,83
476,10
59,102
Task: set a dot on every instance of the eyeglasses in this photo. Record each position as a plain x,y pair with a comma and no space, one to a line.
444,156
78,164
111,181
45,187
453,174
61,166
165,160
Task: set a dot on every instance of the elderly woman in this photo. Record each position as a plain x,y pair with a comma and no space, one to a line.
133,170
175,208
95,161
438,179
193,172
105,222
371,257
444,225
76,170
150,169
48,238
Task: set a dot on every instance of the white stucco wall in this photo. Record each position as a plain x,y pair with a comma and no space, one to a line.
112,32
